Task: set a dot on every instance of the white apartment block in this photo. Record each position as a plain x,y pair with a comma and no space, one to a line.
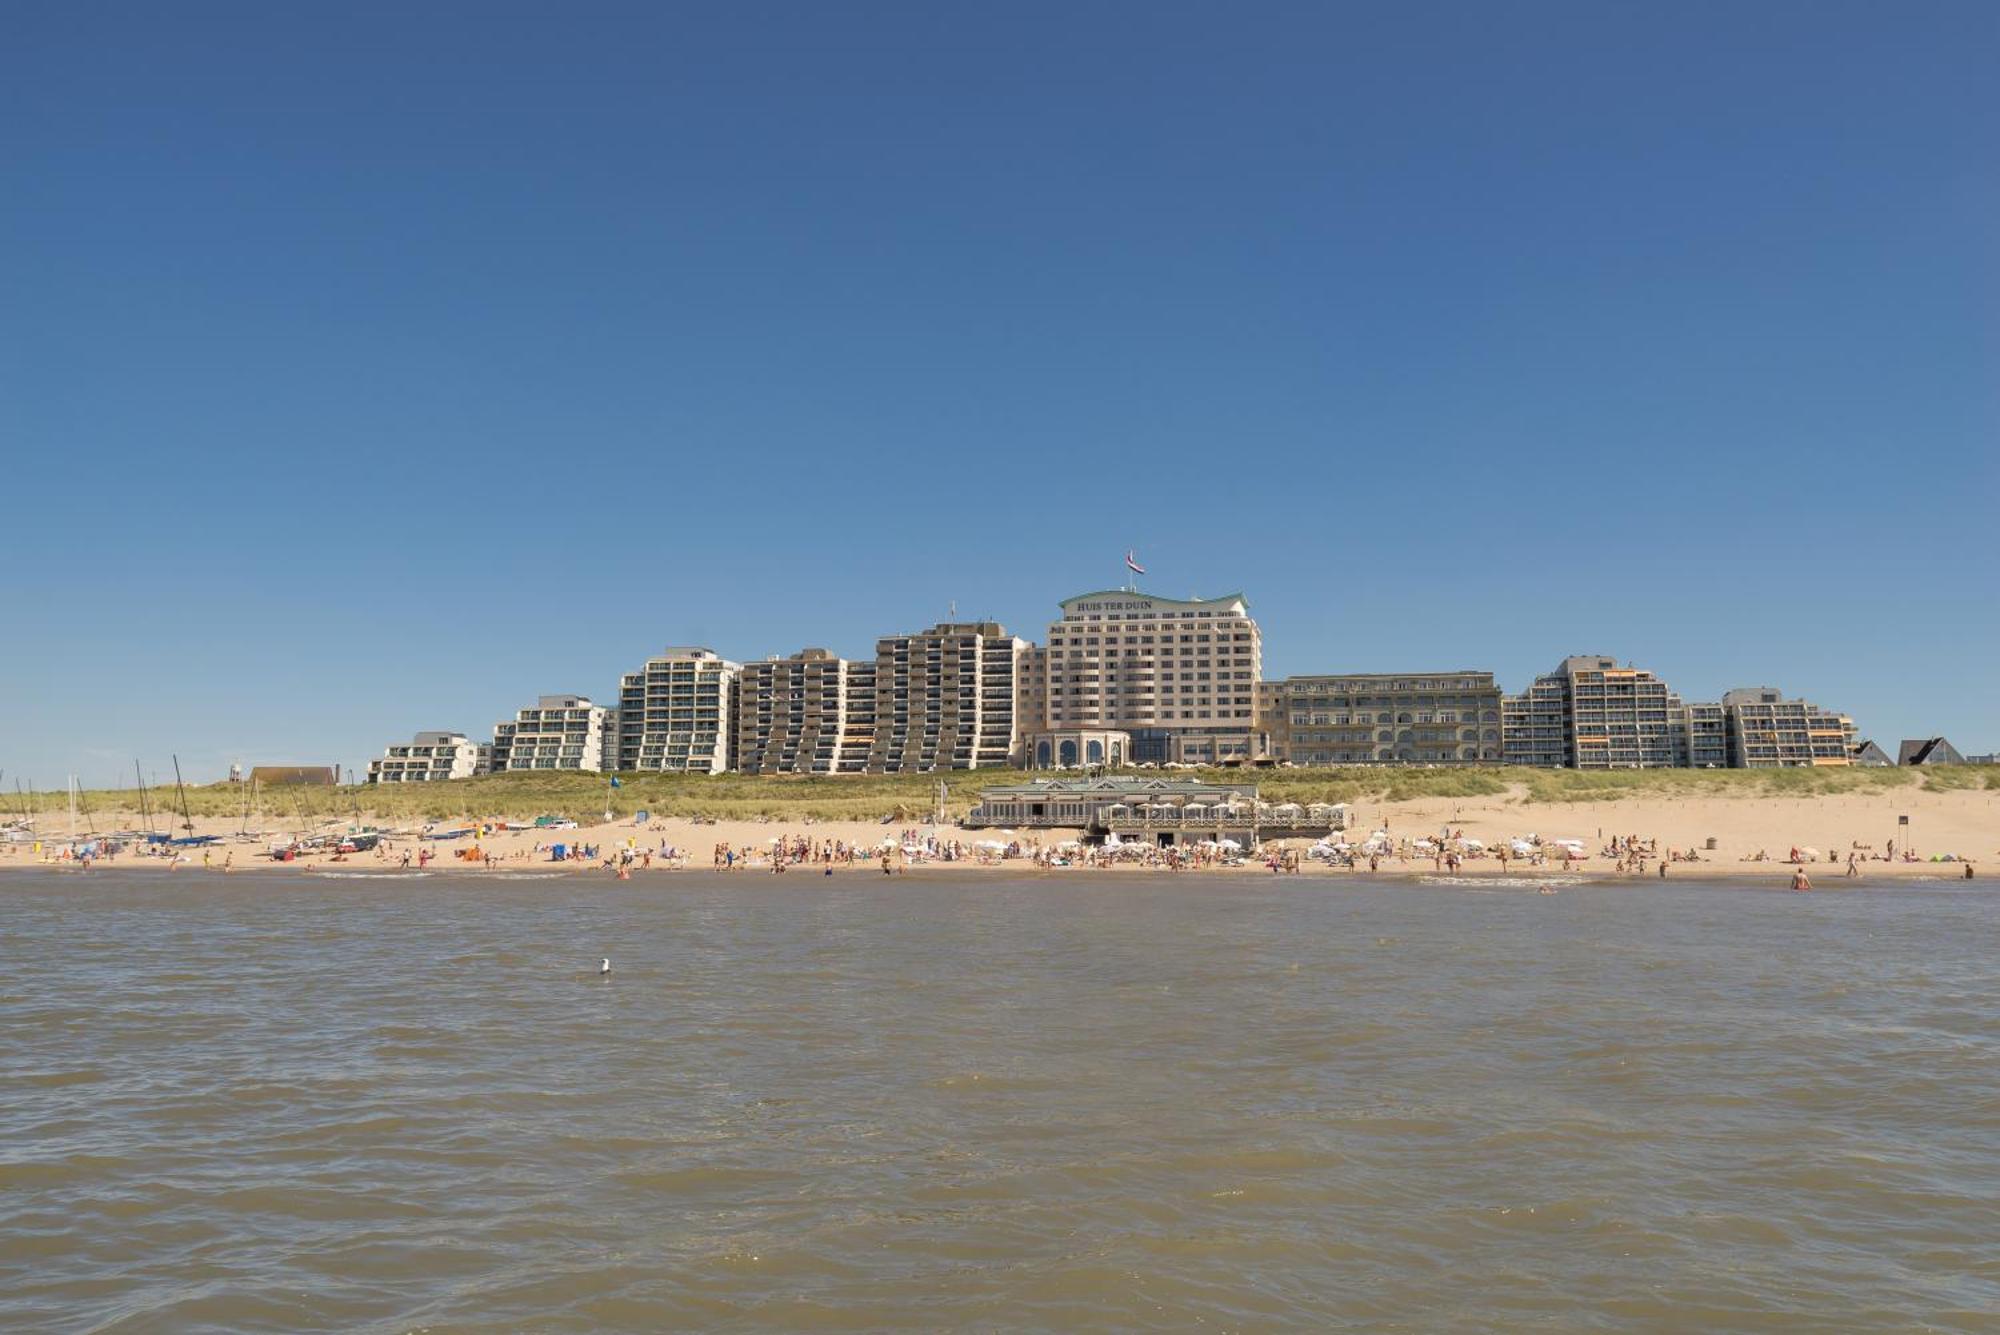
674,713
426,758
556,732
1178,676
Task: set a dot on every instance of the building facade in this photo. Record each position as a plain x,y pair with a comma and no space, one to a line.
792,715
1704,736
428,757
1767,731
556,732
1590,713
1179,677
1928,751
1534,725
945,698
1153,810
674,713
1438,718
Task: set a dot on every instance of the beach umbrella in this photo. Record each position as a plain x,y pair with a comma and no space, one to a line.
1230,844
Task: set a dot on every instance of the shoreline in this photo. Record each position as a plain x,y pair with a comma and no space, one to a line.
1724,833
1823,876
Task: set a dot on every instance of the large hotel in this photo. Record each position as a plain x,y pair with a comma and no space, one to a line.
1130,679
1126,678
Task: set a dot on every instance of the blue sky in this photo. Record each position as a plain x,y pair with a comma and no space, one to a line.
369,368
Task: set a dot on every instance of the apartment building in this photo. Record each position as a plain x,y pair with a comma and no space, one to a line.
945,698
1590,713
426,758
1534,725
556,732
674,712
1767,731
1704,732
792,714
1437,718
1178,677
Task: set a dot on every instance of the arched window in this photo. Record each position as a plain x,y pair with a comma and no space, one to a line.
1093,752
1117,755
1041,755
1066,755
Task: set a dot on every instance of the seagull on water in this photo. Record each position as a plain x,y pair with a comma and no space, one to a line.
603,967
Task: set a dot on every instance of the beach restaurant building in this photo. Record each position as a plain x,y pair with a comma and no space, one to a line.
1159,811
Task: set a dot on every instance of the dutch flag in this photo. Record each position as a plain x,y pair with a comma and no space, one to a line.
1132,563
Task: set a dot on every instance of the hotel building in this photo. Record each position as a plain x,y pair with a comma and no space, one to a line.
428,757
1767,731
556,732
1438,718
1163,679
945,698
1591,713
792,714
673,713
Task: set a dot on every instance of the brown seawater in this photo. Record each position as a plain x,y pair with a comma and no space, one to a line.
979,1102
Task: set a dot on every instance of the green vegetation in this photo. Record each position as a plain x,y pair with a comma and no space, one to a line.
872,796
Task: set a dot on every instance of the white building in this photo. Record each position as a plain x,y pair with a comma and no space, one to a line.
556,732
428,757
1178,677
673,713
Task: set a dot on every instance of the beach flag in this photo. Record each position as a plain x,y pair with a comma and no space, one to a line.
1132,562
615,783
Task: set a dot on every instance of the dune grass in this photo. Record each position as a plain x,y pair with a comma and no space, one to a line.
873,796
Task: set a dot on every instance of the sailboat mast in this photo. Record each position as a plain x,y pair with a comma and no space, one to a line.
187,821
145,812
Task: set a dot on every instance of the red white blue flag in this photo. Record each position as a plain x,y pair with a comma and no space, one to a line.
1132,563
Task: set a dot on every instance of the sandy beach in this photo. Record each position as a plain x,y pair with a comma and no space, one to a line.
1964,825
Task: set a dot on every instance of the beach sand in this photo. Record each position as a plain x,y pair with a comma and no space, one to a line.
1965,824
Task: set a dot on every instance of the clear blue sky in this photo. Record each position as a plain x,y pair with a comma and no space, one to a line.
367,368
